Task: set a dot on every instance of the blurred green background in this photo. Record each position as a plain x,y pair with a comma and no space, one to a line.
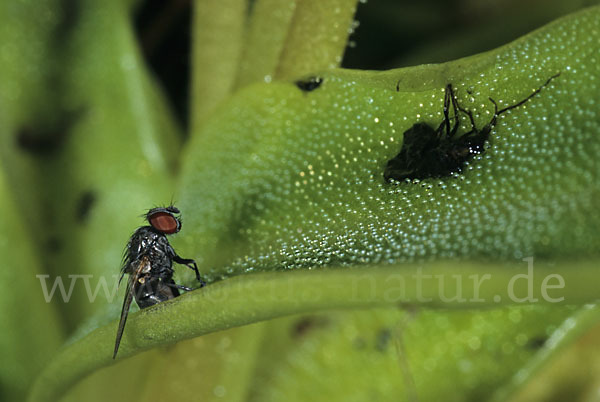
98,103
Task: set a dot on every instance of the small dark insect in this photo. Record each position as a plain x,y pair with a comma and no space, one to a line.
309,84
427,152
148,260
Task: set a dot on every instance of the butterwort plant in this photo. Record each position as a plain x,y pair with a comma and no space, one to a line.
329,275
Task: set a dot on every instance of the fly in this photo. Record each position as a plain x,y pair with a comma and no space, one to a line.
429,152
148,261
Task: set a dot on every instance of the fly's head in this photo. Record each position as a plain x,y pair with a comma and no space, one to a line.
164,219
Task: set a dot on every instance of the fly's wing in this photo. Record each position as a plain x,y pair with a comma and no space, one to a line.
167,290
126,260
131,254
142,268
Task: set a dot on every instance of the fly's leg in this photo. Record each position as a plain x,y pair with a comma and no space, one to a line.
537,91
469,113
177,286
492,122
455,107
449,98
191,264
446,122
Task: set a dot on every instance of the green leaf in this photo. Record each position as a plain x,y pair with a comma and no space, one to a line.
282,178
268,27
23,310
388,354
212,366
251,298
316,38
217,46
25,30
28,32
572,375
289,39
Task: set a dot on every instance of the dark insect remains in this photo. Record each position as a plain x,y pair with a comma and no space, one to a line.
149,262
429,152
309,84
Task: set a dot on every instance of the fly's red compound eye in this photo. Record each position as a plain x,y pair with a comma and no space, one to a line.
164,222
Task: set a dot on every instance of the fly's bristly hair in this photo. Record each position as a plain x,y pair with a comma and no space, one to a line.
170,208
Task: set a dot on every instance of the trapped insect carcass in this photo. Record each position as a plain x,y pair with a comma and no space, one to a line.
439,152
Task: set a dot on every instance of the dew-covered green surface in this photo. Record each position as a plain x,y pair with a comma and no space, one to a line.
298,176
